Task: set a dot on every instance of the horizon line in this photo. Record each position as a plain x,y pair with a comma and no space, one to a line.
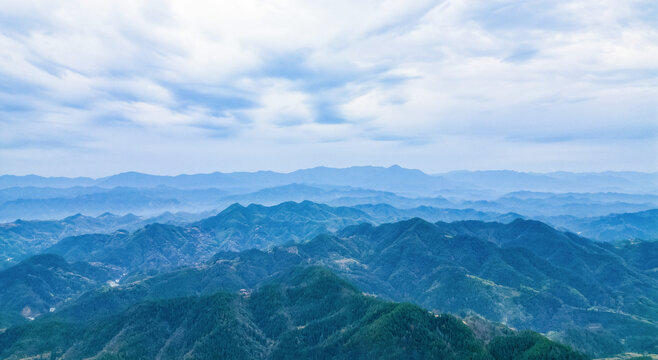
394,166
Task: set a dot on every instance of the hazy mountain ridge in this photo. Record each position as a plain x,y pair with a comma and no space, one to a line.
379,178
561,182
393,178
121,200
613,227
384,212
20,238
157,246
372,177
48,203
235,227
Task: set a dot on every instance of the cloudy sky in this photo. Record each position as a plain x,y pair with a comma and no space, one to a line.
95,88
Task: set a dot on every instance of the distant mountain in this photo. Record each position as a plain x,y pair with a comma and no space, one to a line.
335,196
613,227
573,204
38,203
317,193
393,178
8,181
152,248
178,218
33,192
42,283
257,226
20,239
582,195
303,313
157,246
394,200
153,201
237,181
558,182
291,192
120,200
236,228
406,182
387,213
598,197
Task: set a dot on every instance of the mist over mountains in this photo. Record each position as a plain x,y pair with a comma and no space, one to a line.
582,195
394,178
523,225
329,261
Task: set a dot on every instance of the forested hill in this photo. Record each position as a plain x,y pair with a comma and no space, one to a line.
303,313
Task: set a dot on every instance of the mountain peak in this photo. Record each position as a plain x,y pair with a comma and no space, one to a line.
316,277
75,216
233,207
533,225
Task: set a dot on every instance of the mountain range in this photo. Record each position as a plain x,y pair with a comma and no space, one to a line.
600,298
362,262
256,226
530,194
394,178
613,227
305,312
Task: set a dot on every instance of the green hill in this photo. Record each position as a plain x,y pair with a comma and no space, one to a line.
302,313
43,283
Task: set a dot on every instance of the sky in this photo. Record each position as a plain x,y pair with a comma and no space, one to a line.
93,88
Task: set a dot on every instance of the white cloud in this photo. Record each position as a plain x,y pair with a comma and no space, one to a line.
419,83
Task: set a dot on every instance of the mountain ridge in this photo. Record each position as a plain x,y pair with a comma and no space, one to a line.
555,283
306,312
356,175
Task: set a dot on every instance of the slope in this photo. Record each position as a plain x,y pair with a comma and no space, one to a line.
302,313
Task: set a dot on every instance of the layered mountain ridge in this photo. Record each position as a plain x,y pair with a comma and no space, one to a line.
523,273
530,194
